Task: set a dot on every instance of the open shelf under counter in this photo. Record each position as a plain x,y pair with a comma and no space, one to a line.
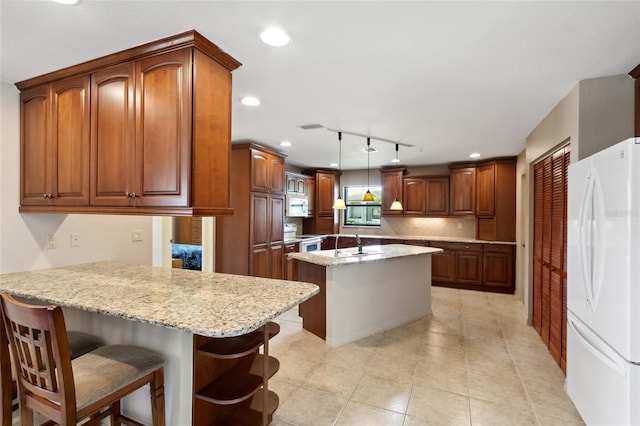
239,346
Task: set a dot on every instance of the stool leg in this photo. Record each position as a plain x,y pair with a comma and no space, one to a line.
26,415
115,413
156,388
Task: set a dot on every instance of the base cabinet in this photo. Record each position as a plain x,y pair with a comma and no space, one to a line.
230,378
474,266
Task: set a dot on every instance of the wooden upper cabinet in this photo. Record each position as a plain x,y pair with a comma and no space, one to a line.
267,172
158,129
55,144
462,187
414,192
392,188
485,187
326,193
635,74
311,195
437,195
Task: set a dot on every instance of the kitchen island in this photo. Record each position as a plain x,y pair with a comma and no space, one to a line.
361,294
179,313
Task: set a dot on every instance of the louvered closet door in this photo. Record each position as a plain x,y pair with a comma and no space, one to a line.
549,252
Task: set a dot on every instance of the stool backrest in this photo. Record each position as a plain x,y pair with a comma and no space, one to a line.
40,349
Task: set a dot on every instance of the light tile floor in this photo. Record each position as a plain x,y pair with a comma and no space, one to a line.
474,362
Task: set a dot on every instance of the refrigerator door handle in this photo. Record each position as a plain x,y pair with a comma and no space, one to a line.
600,350
585,219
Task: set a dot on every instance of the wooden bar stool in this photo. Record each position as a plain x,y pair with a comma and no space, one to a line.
79,344
90,386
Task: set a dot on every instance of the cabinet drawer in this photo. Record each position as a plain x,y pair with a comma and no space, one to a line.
473,247
499,248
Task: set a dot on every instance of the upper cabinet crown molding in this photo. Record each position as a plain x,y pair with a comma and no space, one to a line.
179,41
156,120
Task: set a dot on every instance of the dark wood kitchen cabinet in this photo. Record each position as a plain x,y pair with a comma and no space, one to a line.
392,188
635,74
426,196
323,219
251,242
462,189
158,135
474,266
54,141
290,266
496,200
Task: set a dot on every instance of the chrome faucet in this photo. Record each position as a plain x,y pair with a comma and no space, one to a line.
337,252
359,244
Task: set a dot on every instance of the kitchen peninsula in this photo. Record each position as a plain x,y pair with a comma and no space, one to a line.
193,318
363,292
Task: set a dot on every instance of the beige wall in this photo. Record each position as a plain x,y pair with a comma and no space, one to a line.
595,114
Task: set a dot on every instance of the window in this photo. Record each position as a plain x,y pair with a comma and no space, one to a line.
359,213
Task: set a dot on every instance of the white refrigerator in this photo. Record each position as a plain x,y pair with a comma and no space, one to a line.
603,289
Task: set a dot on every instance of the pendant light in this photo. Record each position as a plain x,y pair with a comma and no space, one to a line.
368,196
339,202
396,205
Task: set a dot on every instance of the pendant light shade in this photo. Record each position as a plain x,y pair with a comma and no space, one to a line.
396,205
368,196
339,202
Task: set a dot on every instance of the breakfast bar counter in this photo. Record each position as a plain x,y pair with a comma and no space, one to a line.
167,310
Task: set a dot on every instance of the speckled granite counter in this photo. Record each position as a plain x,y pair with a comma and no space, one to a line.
425,238
348,256
209,304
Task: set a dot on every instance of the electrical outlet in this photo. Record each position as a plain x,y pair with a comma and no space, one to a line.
75,240
51,241
136,235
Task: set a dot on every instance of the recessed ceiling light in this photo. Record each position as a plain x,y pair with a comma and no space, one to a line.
474,155
285,144
250,101
67,2
333,165
274,36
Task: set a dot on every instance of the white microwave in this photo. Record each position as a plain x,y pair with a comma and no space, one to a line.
297,206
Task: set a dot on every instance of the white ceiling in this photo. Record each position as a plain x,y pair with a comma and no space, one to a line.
450,78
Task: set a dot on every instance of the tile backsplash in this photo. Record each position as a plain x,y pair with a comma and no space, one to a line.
419,226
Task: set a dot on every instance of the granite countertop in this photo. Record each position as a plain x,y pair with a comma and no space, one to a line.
427,238
348,256
209,304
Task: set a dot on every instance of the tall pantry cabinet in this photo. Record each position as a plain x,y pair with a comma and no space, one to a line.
251,242
550,252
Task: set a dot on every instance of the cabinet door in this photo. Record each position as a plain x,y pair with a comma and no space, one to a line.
112,136
260,171
469,267
311,194
276,218
414,192
498,266
443,266
291,184
163,129
35,154
260,226
437,196
290,265
485,186
301,185
259,262
392,187
276,174
326,186
70,143
276,252
462,185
